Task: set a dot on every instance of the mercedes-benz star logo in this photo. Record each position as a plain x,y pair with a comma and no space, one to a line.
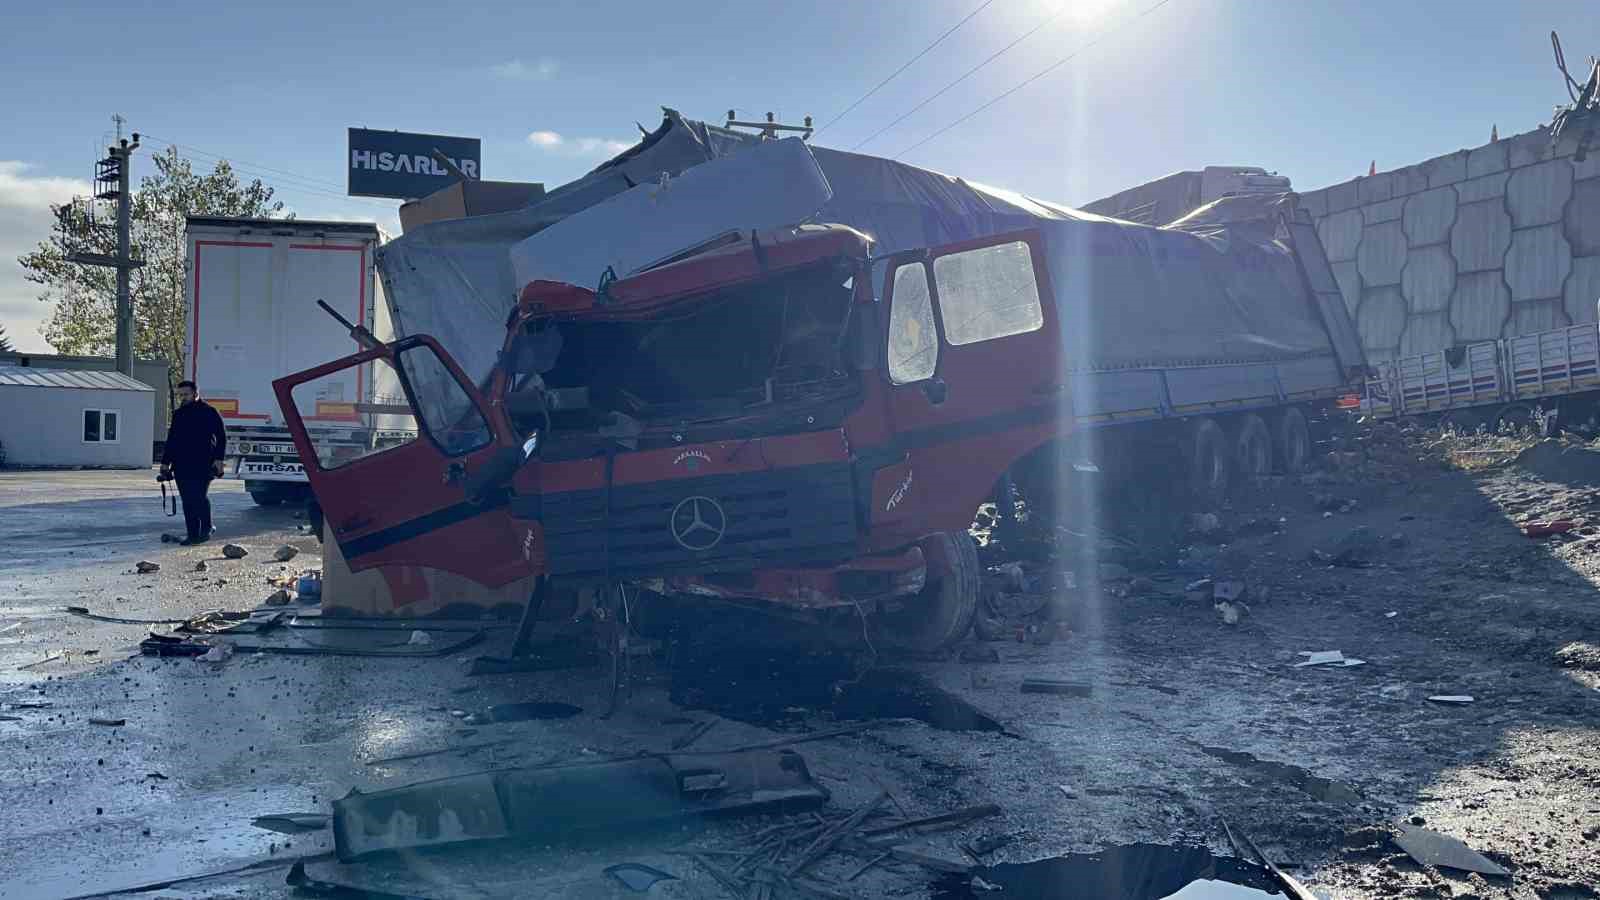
698,523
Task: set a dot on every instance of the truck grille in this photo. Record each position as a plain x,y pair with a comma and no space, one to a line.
716,524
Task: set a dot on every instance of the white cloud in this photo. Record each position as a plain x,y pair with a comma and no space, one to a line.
25,220
517,70
599,145
588,146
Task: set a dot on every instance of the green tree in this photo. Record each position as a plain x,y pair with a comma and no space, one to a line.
85,297
5,342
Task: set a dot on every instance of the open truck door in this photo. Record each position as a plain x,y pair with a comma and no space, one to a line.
973,362
396,484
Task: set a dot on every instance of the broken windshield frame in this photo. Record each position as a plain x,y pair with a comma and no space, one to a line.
781,343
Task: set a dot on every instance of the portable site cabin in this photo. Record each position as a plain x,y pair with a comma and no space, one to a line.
72,418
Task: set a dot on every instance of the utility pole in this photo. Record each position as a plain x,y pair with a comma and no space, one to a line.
124,154
112,177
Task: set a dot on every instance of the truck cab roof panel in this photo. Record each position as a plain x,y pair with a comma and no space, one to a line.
754,255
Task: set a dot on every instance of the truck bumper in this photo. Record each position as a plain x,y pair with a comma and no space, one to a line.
867,580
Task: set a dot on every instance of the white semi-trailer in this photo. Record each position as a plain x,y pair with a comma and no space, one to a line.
252,290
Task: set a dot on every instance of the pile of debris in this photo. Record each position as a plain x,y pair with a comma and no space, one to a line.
784,855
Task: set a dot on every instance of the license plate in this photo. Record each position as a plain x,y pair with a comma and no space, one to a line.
275,448
266,468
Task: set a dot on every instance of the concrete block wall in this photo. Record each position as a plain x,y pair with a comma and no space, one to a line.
1494,241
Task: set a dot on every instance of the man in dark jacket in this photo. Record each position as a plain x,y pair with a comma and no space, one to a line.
196,444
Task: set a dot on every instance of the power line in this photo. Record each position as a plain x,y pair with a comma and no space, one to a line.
907,65
305,178
277,184
301,184
968,74
1036,76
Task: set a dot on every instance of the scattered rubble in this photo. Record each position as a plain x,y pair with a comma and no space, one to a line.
201,566
234,551
1359,548
1545,529
145,567
1579,655
1232,613
279,597
285,553
219,653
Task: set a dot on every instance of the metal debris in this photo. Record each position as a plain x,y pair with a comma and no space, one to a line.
48,659
1327,658
307,886
1430,848
832,836
464,748
563,799
292,823
638,877
1048,686
694,734
962,816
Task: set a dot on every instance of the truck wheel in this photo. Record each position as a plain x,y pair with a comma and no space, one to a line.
943,612
1253,447
266,497
1210,462
1294,441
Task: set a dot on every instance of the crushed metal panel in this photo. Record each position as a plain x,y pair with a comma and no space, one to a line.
770,185
446,811
546,800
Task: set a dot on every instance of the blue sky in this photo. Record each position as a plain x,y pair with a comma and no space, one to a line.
1313,90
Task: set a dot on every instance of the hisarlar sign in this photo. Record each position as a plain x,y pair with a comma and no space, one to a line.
401,165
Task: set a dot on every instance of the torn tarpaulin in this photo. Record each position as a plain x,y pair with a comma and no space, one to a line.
558,799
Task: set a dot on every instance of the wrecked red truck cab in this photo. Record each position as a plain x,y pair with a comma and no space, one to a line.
734,424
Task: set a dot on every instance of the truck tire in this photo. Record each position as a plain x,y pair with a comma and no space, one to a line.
943,612
1294,441
1210,462
1252,448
